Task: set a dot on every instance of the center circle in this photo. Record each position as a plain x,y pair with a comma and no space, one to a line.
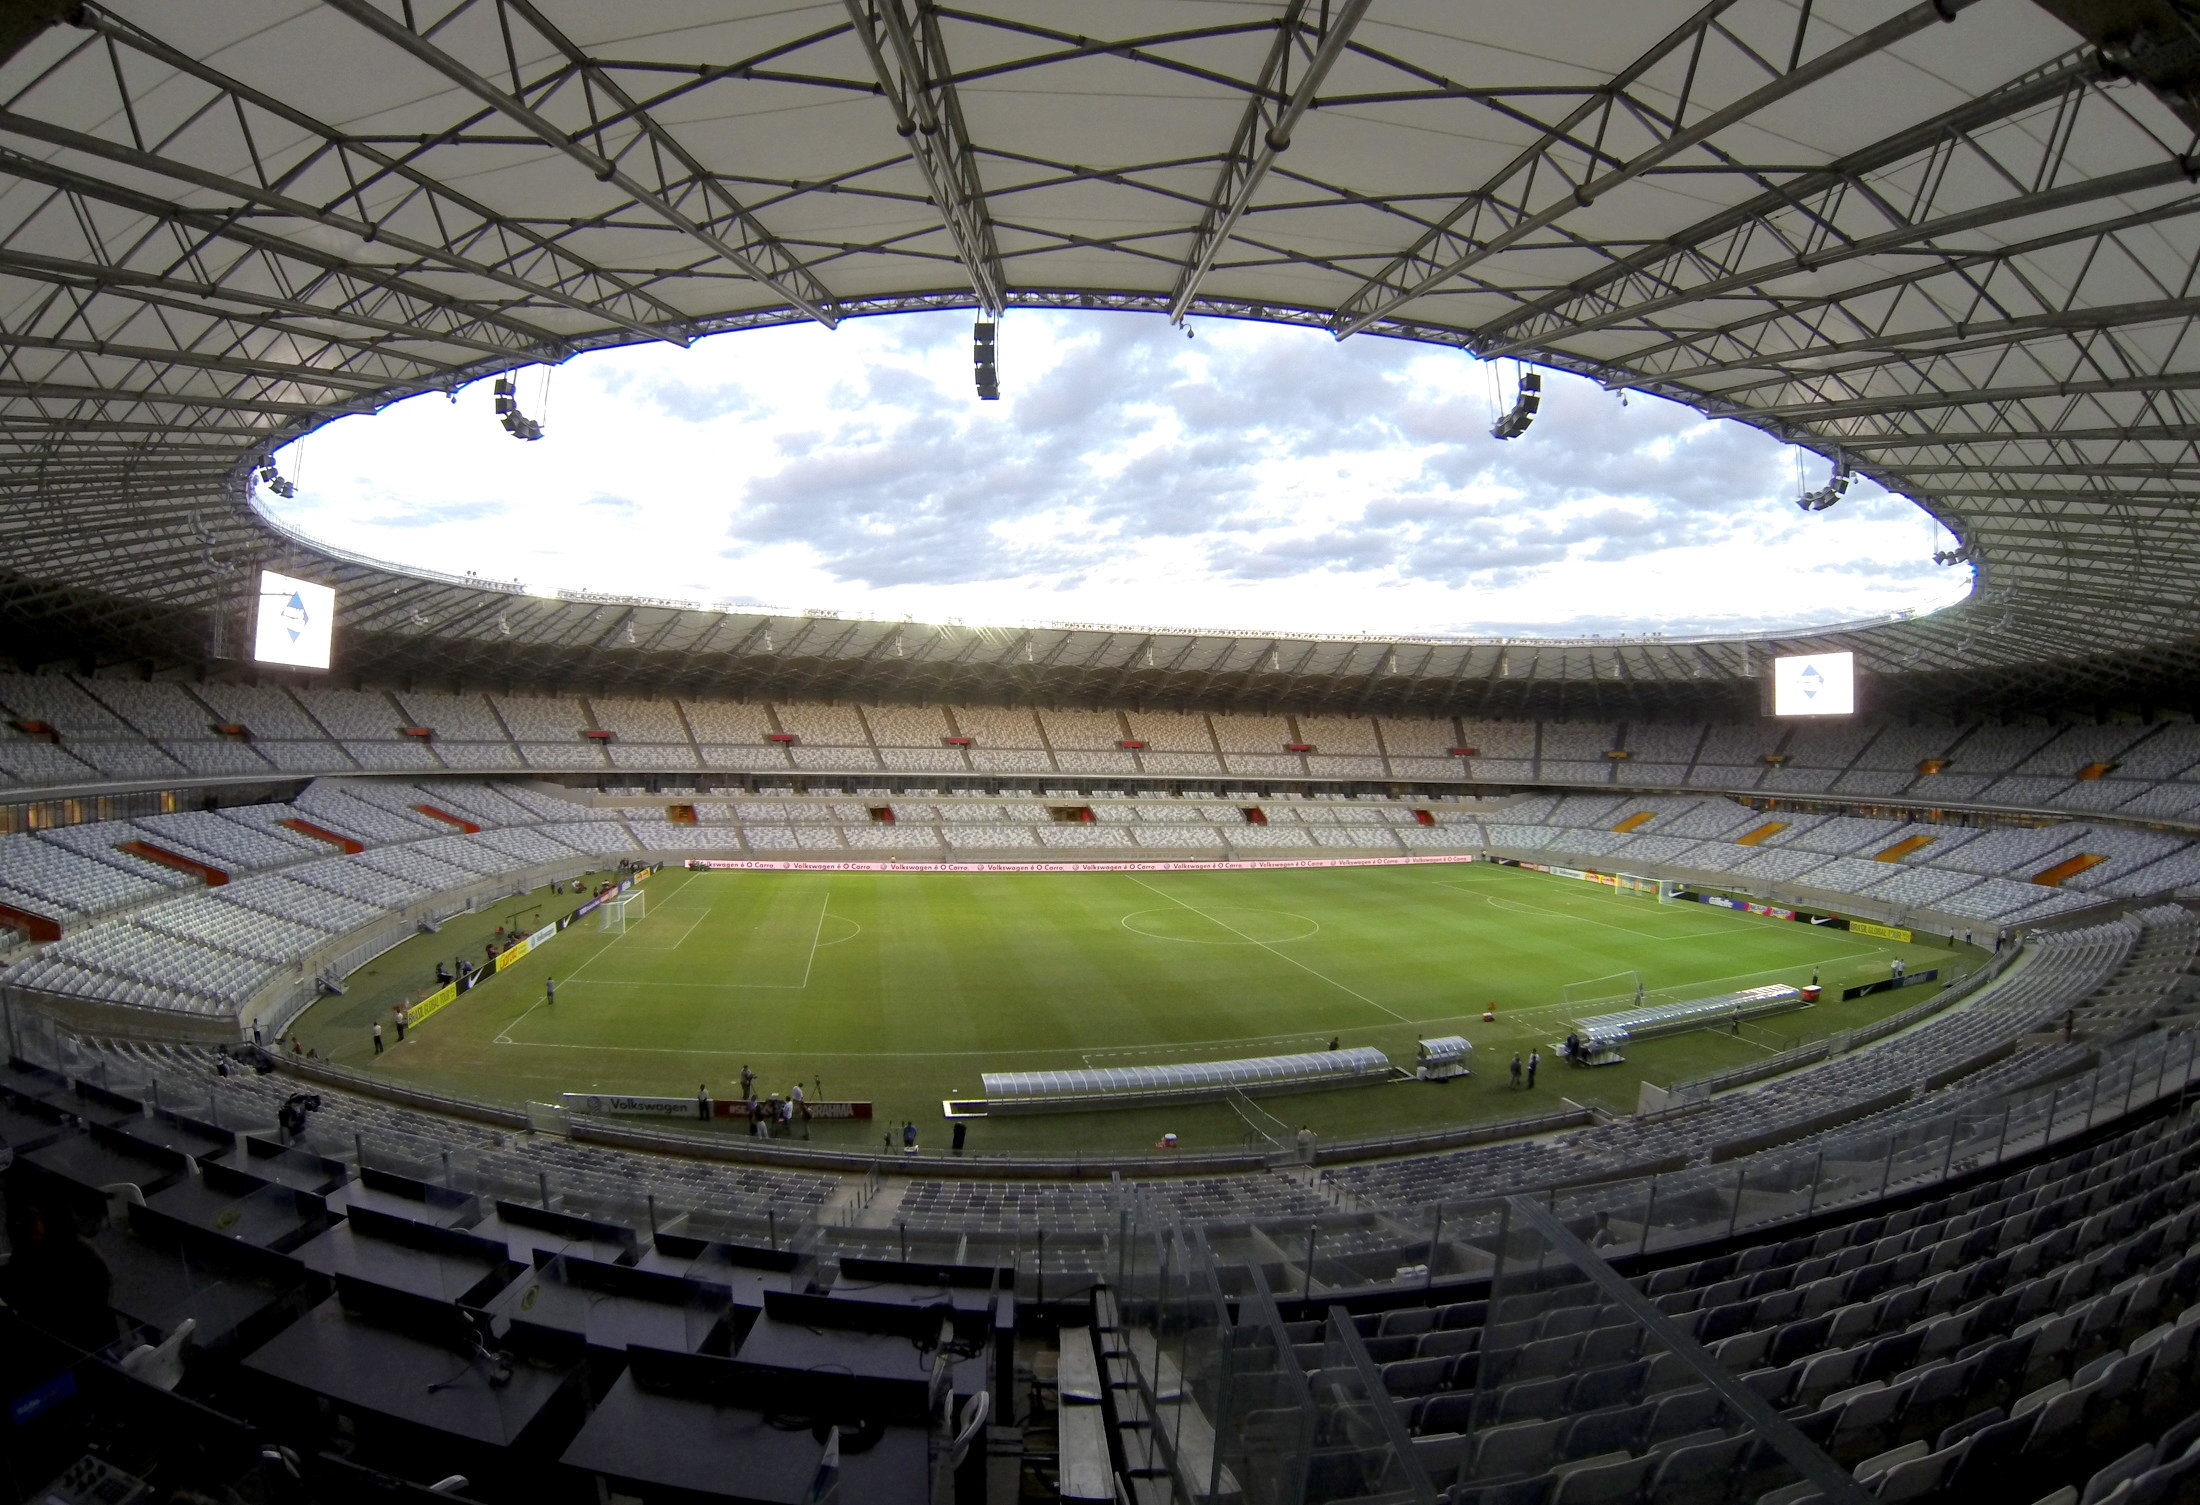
834,929
1221,926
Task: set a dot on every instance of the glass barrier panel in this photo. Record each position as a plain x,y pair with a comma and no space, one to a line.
1361,1448
1262,1408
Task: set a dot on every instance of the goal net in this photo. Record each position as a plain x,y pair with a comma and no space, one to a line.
621,912
1603,994
1664,890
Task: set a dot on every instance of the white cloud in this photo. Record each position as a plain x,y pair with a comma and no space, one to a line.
1258,476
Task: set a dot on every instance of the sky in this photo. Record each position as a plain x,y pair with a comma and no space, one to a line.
1254,476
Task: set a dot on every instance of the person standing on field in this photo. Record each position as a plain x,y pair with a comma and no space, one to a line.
1306,1144
378,1037
1535,1059
1516,1071
550,990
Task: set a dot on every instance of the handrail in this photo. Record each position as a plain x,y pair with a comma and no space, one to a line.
1848,1168
741,1148
330,1074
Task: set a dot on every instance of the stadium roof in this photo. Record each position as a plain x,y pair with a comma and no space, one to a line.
1950,243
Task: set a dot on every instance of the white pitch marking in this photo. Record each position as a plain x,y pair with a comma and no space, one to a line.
1565,914
1538,1010
900,1055
504,1035
824,900
621,982
1522,907
1314,1040
1125,922
676,945
1271,950
839,939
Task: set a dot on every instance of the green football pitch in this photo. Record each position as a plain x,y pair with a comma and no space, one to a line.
901,988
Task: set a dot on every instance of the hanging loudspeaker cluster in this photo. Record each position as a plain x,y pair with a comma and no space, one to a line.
516,423
1522,412
983,357
273,479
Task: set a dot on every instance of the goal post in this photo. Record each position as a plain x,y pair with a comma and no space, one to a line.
1617,991
1664,890
616,914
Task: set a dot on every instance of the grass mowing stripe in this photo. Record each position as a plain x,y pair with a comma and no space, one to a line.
1271,950
950,975
1561,911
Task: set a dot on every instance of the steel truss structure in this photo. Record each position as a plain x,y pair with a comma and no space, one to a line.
1950,244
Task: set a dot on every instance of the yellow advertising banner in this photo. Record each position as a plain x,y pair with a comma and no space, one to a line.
432,1002
513,953
1884,932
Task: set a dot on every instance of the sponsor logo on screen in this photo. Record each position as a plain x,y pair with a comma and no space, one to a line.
294,623
1814,684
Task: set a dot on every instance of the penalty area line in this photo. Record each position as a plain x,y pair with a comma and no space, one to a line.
682,941
504,1035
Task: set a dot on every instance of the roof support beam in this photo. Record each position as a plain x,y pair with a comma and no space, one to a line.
1489,221
751,248
2172,433
366,230
378,364
470,227
1805,198
1819,413
911,64
232,365
56,391
2176,172
2174,501
1950,339
435,316
2165,471
2100,233
1272,113
162,432
206,299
